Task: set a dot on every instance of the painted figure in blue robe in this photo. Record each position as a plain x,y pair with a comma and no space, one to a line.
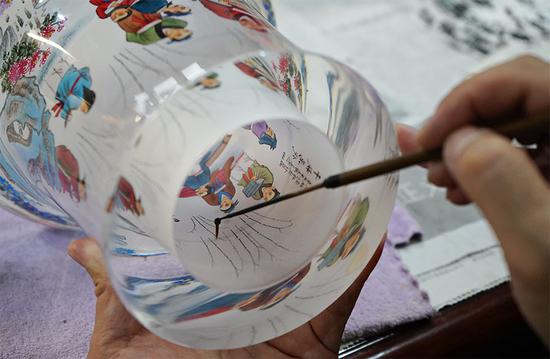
74,93
214,187
197,184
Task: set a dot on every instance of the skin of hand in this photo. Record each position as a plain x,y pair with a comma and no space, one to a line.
117,334
503,180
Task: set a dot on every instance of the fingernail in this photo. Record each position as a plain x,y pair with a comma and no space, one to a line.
405,127
458,142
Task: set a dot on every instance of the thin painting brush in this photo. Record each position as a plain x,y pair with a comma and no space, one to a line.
510,129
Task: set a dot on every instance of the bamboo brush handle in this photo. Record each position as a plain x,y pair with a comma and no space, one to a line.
513,129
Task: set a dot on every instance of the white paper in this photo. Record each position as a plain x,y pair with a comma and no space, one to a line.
457,264
413,65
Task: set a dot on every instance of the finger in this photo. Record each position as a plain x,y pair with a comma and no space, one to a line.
439,175
541,156
347,301
518,88
509,189
331,323
87,253
458,197
112,321
406,137
503,181
357,286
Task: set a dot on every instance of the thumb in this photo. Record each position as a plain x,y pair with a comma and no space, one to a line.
502,180
511,192
113,324
87,253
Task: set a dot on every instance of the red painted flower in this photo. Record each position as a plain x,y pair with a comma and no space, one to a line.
283,64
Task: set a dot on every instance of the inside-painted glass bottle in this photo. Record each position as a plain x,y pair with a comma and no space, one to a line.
261,126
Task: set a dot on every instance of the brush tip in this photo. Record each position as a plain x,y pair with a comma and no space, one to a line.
217,222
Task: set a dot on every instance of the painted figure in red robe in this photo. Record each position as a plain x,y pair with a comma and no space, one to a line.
69,174
228,9
126,199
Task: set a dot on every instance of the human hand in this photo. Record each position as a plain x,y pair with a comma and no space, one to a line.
502,180
117,334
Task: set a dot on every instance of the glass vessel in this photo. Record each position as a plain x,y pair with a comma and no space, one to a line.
141,121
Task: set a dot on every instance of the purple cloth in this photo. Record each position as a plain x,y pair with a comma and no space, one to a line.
403,227
47,301
391,295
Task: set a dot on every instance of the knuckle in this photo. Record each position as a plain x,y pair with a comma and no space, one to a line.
527,60
72,249
484,83
101,286
496,78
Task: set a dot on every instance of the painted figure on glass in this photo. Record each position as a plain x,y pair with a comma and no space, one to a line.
74,93
125,198
265,134
214,187
257,182
349,236
231,10
145,22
